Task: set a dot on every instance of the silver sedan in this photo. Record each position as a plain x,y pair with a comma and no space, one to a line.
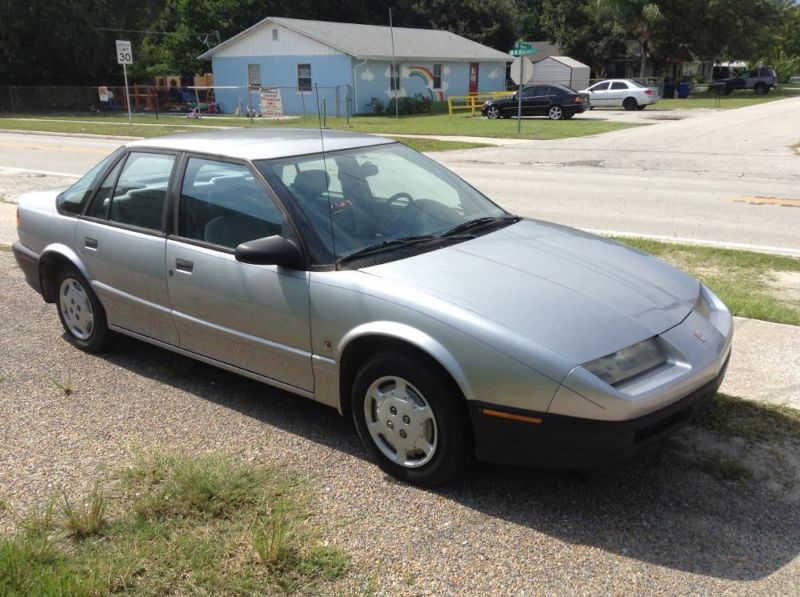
354,271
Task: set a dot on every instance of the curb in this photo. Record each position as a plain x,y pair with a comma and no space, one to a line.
80,135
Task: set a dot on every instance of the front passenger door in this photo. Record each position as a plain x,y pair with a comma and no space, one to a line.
254,317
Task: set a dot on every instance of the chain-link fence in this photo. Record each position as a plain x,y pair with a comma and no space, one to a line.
147,99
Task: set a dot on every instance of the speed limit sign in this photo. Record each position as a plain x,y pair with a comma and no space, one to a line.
124,52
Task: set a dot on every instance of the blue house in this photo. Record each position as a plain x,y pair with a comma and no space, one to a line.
346,62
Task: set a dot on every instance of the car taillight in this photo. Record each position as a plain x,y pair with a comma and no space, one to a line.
578,99
648,92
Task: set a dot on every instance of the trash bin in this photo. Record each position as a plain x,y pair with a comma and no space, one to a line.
683,89
669,90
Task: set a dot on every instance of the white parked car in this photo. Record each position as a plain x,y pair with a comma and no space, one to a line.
623,93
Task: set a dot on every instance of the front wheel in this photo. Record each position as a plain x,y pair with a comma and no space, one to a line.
412,419
555,113
492,112
80,311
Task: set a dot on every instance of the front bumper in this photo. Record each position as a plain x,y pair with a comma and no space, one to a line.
544,440
28,262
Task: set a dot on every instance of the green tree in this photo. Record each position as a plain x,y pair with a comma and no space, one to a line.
638,17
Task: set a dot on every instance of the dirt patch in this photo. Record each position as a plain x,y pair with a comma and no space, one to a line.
14,184
786,286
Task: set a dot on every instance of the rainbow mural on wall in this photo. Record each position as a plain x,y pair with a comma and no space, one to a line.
426,75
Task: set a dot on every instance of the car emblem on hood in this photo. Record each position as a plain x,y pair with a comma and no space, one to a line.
700,336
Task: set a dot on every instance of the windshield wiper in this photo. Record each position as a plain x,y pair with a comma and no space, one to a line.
386,245
479,222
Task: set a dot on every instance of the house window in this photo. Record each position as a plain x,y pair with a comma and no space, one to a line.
274,35
394,81
254,75
437,76
303,77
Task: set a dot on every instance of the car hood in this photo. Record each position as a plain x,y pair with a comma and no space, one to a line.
578,294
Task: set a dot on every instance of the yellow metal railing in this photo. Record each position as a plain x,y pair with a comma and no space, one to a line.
473,101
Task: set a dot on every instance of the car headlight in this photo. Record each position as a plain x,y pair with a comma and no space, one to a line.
624,364
701,305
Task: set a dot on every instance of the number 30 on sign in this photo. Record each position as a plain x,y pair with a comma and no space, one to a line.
124,52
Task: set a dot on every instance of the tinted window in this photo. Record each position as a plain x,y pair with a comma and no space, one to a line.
141,190
102,199
600,86
534,91
558,91
223,204
71,200
618,85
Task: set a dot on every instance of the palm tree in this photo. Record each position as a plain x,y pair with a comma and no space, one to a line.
637,16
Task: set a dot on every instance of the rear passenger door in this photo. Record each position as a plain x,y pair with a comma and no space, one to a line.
121,240
535,103
617,93
254,317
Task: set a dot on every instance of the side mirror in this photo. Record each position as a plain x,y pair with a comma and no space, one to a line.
272,250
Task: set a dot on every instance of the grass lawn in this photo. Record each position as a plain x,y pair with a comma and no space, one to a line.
173,525
749,283
427,124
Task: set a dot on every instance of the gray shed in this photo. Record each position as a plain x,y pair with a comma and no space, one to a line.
561,70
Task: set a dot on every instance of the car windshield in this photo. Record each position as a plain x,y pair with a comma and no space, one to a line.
637,84
370,198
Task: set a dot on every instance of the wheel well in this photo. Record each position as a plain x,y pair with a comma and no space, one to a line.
360,349
49,265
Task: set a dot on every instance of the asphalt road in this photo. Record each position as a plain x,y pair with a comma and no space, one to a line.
727,177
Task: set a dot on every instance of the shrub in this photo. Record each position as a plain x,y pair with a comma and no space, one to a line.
377,105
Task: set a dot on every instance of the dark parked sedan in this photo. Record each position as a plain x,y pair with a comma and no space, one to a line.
554,101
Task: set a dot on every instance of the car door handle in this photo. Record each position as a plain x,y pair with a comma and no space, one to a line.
182,265
90,243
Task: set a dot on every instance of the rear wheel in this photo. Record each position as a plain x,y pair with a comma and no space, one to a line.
412,419
761,89
492,112
80,311
630,104
555,113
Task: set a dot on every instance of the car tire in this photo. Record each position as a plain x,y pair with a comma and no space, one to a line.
555,113
761,89
630,104
412,418
492,112
80,311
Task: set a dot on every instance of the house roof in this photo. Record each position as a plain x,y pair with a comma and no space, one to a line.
375,41
570,62
544,49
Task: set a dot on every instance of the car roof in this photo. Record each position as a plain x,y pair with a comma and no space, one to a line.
261,144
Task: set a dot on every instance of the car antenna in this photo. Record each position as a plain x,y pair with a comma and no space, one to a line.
325,166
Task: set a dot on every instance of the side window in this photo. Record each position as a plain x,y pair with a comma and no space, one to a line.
102,199
141,190
223,204
618,85
600,86
531,91
72,200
